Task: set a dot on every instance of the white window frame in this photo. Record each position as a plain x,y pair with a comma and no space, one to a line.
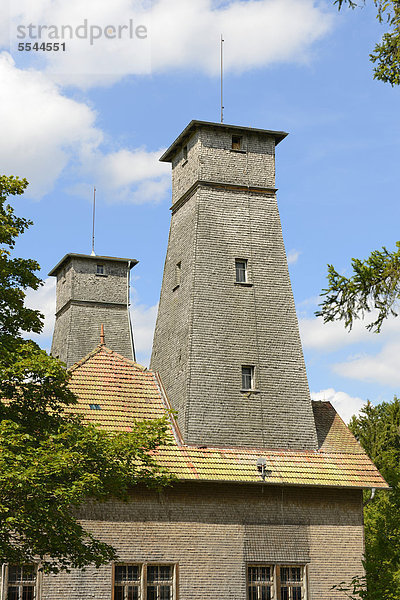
269,584
143,582
276,579
252,377
36,583
246,270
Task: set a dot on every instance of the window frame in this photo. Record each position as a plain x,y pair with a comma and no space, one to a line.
34,583
103,267
244,261
143,583
259,586
252,377
276,578
237,143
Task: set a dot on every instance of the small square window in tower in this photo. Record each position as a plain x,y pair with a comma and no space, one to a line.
100,269
236,142
248,377
241,270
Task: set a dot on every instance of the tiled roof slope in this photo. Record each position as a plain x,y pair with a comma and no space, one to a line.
126,391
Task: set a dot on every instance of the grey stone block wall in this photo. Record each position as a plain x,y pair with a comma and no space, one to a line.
228,325
85,301
211,532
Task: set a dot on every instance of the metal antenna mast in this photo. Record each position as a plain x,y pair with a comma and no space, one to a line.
222,79
94,213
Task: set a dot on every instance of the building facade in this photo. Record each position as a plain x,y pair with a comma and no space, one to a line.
267,502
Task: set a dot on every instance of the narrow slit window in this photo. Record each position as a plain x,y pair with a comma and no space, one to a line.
236,142
100,269
247,377
185,153
178,275
241,270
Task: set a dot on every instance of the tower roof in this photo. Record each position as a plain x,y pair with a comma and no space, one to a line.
131,261
193,125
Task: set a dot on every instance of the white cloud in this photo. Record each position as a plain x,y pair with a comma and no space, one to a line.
344,404
293,256
43,132
317,335
383,367
41,129
136,176
143,323
181,35
43,299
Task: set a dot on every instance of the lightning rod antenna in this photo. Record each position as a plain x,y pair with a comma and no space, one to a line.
222,79
94,213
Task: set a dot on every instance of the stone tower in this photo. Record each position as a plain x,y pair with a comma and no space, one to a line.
227,342
91,291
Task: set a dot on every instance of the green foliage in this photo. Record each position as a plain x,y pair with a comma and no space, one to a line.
386,55
378,430
44,476
16,274
354,590
50,462
375,285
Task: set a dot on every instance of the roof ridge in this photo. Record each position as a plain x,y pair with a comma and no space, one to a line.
102,347
82,361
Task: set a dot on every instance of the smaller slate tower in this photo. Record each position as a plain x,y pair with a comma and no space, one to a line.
91,291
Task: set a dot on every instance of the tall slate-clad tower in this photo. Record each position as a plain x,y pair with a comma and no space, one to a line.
91,291
227,343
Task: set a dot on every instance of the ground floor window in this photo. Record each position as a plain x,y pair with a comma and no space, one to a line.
276,582
21,582
144,582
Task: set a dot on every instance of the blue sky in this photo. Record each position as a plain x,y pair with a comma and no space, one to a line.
101,115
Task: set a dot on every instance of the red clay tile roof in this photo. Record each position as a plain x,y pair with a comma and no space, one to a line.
121,391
